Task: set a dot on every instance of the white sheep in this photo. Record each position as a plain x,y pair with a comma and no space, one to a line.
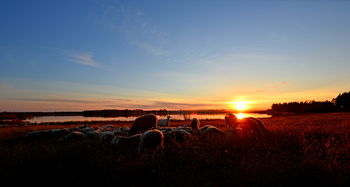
164,122
107,128
126,143
106,136
73,136
151,141
121,131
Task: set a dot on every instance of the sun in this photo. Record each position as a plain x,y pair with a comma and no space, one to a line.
240,105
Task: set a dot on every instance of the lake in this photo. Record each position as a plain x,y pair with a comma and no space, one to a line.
44,119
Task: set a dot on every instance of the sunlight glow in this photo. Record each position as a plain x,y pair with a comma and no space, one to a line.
240,105
241,115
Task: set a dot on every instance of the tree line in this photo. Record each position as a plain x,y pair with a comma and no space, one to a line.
339,104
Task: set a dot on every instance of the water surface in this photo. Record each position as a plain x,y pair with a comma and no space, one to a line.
44,119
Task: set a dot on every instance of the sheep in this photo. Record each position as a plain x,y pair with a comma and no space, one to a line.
164,122
195,124
126,142
107,128
206,132
106,136
56,133
261,125
85,130
72,129
35,135
177,135
86,125
209,130
165,129
143,123
150,141
121,131
92,134
51,133
230,121
183,127
73,136
252,126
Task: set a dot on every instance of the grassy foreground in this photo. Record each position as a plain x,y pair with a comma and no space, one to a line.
309,149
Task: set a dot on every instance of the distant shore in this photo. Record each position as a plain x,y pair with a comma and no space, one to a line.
116,113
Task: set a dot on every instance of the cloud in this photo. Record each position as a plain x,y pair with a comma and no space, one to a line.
83,58
54,100
164,104
135,27
278,84
156,51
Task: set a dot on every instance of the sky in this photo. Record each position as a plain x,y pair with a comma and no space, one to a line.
63,55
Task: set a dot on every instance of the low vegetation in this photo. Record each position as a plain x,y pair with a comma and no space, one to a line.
309,149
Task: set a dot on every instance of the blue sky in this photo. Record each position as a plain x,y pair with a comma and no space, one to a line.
75,55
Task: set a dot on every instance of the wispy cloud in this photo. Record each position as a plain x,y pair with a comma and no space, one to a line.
165,104
55,100
135,26
278,84
83,58
156,51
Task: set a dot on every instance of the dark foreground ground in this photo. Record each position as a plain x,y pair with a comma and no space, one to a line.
300,150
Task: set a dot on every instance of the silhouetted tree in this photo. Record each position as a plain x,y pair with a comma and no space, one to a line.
304,107
342,102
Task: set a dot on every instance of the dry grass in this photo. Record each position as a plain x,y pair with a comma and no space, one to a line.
309,149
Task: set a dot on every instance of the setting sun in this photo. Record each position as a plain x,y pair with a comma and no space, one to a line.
240,105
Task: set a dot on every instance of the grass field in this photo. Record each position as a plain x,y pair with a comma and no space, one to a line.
309,149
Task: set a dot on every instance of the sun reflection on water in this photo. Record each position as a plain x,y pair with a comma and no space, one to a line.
241,115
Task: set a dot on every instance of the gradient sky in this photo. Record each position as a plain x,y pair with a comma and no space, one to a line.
103,54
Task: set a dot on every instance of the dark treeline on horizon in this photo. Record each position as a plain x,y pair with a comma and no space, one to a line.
106,113
339,104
